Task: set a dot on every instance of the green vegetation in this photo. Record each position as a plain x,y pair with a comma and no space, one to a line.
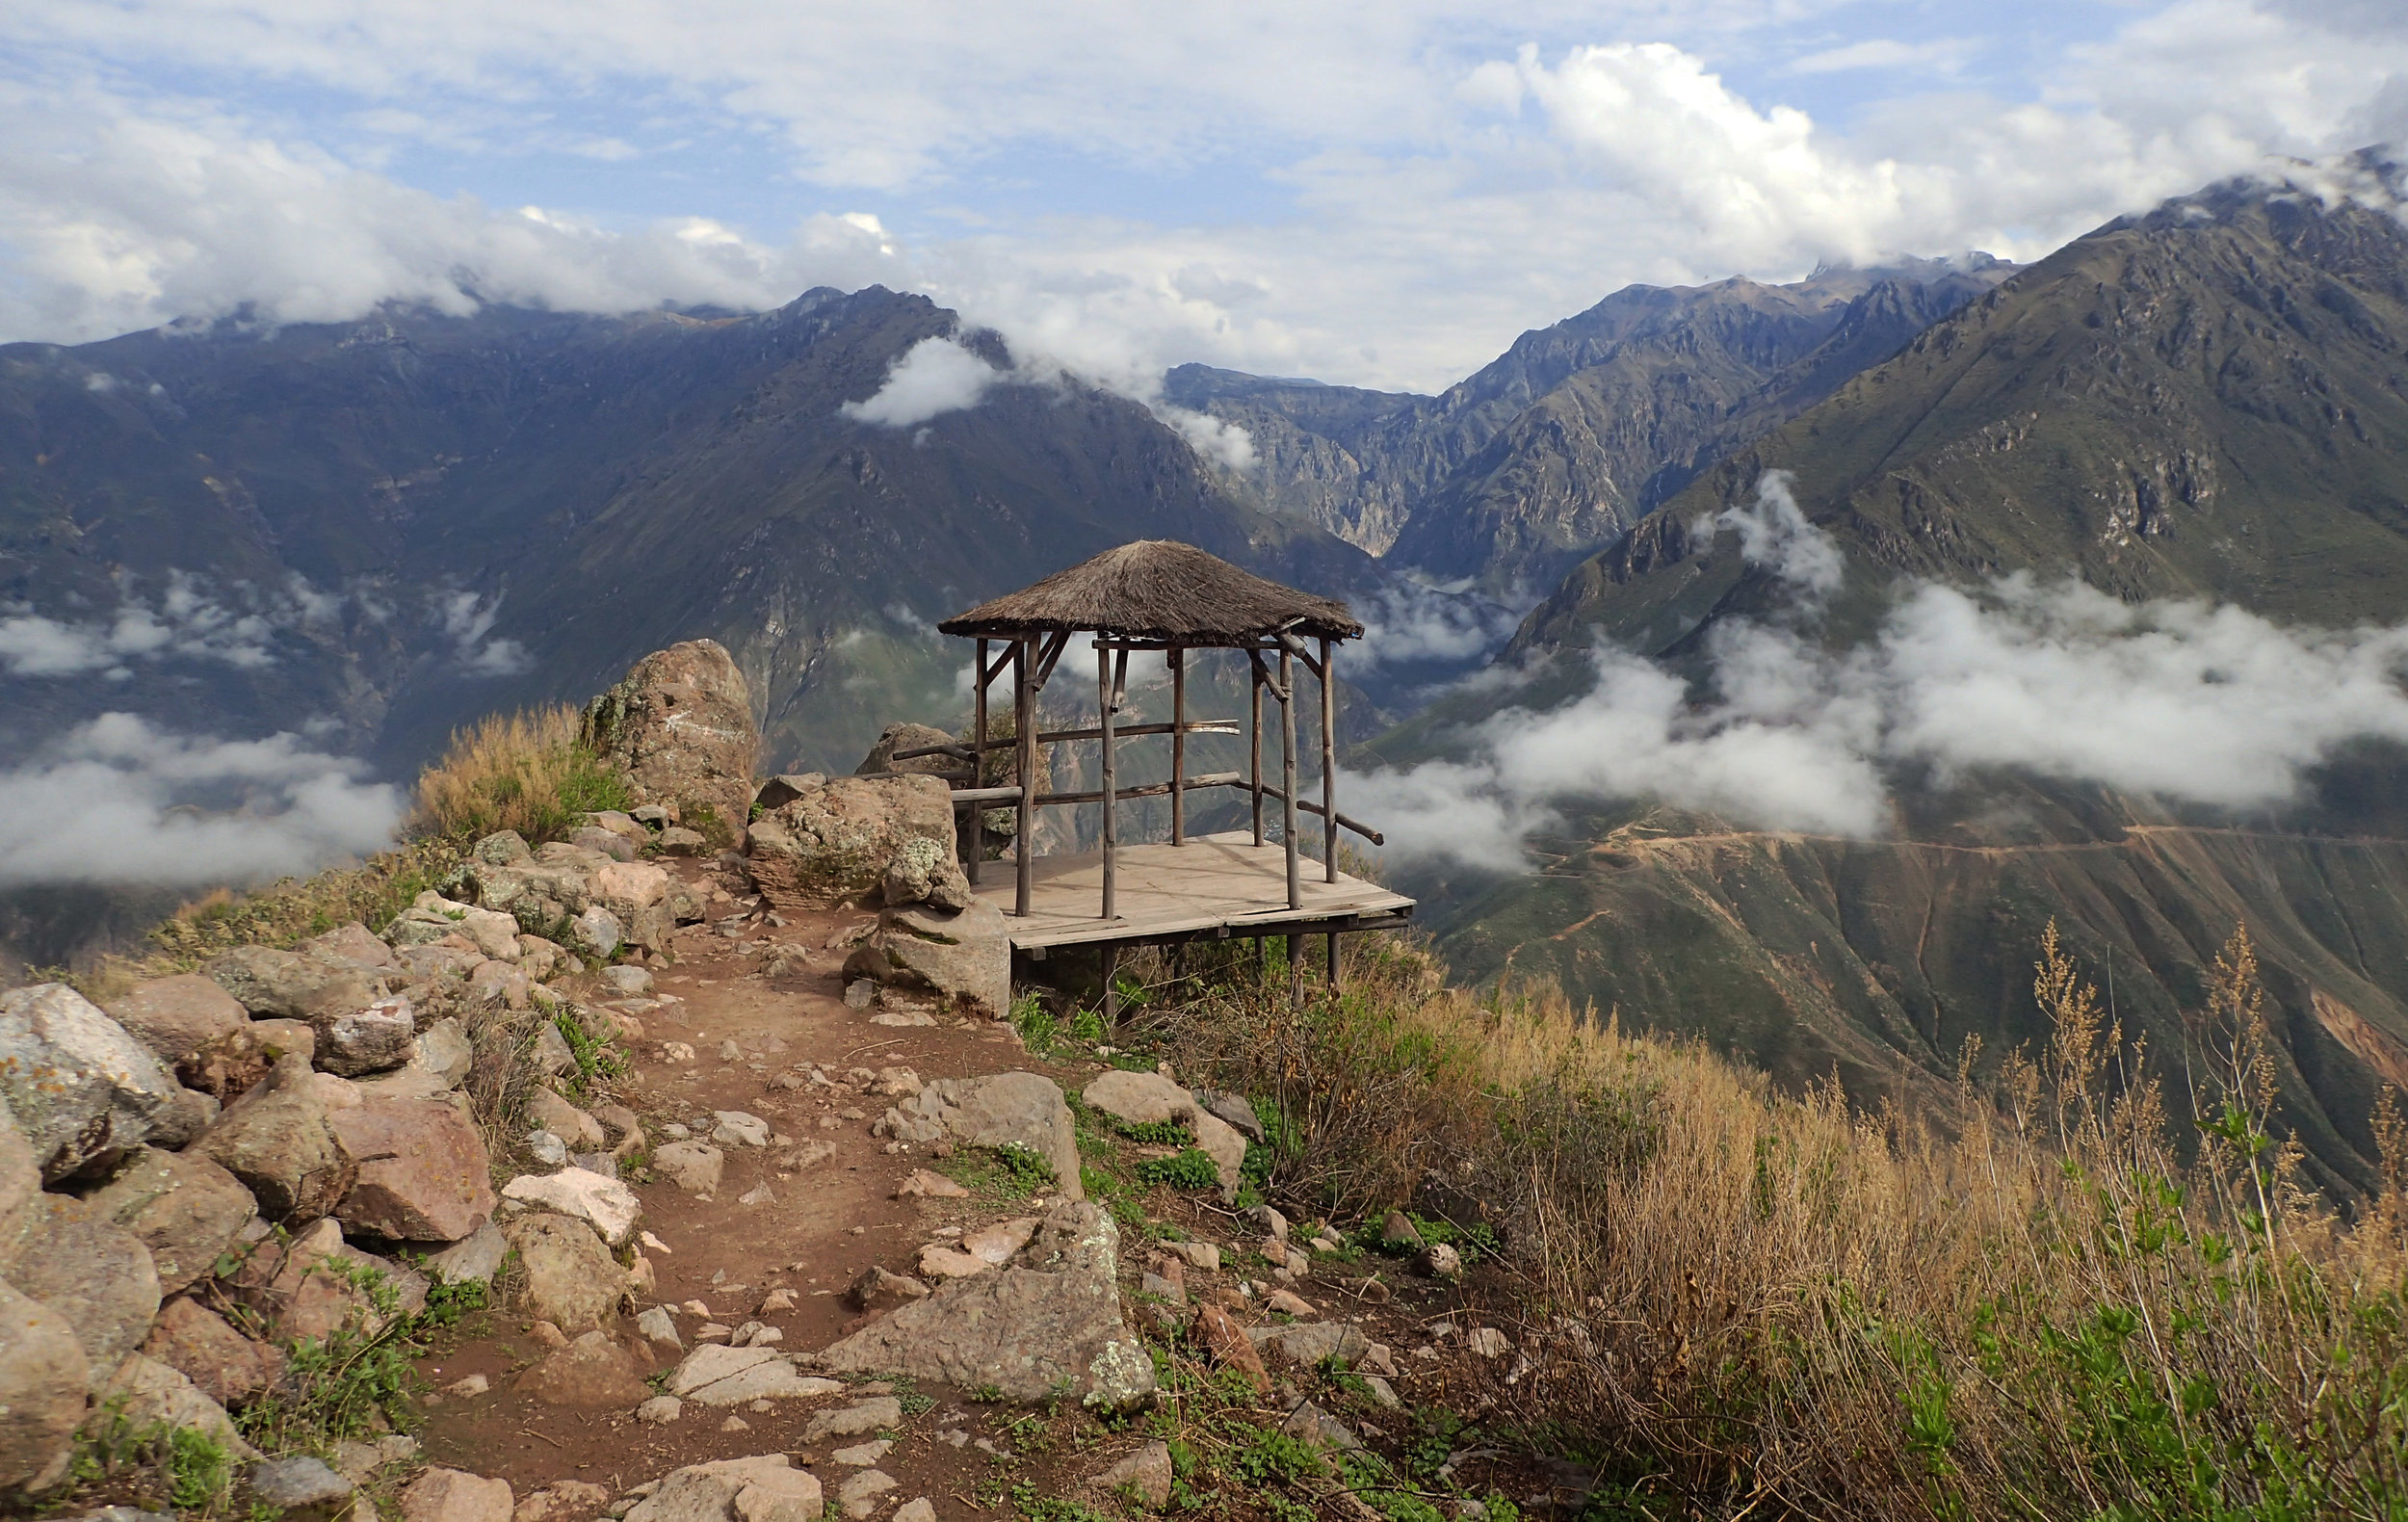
1191,1168
598,1060
1006,1172
530,771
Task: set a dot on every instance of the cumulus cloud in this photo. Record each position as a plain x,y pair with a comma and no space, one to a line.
465,620
935,376
1408,622
1773,533
2178,699
181,622
119,800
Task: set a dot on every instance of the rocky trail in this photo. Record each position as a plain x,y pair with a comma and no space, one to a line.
613,1178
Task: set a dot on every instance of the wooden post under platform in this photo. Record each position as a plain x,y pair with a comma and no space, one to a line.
1330,776
1178,746
1023,717
1104,704
1286,780
977,765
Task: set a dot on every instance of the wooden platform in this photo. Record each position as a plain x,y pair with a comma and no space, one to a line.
1212,886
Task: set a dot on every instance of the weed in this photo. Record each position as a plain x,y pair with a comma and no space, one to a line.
597,1059
1190,1170
1006,1172
530,771
1157,1133
200,1470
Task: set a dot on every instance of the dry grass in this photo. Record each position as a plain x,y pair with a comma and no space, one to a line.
1750,1301
293,910
530,772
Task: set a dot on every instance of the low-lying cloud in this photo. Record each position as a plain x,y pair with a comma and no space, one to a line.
119,800
182,621
935,375
2178,699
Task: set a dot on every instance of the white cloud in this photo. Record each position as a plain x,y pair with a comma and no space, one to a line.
1773,531
467,622
935,376
1943,55
183,622
118,800
2177,699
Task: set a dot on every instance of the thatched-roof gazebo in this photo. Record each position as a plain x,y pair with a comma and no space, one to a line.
1163,596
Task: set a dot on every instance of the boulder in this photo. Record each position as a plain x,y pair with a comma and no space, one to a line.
1146,1473
374,1039
607,1205
1307,1343
597,932
452,1495
277,1140
910,737
572,1281
925,872
182,1118
763,1489
44,1378
317,1285
874,1288
423,1174
692,1165
716,1374
444,1053
680,728
1230,1346
203,1346
1022,1110
81,1090
182,1207
229,1066
148,1393
830,845
594,1373
20,1180
572,1125
963,957
177,1016
292,986
95,1274
1150,1100
475,1258
1047,1323
348,944
290,1484
1233,1107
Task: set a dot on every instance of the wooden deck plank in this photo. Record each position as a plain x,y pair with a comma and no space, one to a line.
1212,881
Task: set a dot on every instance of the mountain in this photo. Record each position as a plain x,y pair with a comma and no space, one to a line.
383,529
2210,401
1577,430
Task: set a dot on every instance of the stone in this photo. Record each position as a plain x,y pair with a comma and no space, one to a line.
623,1121
423,1174
692,1165
680,727
1147,1473
608,1205
97,1275
177,1016
473,1259
829,841
1230,1346
925,871
603,842
452,1495
81,1089
572,1125
861,1456
1313,1424
505,847
873,1289
716,1374
495,933
962,957
1196,1255
289,1484
767,1488
547,1149
304,1287
1022,1110
921,1184
359,1462
561,1500
871,1415
678,841
989,1248
20,1180
1440,1261
594,1373
374,1039
1047,1323
180,1206
1288,1303
277,1138
203,1346
1397,1233
736,1128
919,1509
631,982
660,1410
229,1066
571,1280
148,1393
1152,1098
494,983
44,1378
1308,1342
1234,1110
1274,1225
182,1118
352,942
659,1327
1487,1342
597,932
539,959
444,1053
859,1494
293,986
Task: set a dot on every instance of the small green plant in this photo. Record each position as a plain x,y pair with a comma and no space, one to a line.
908,1396
1002,1173
597,1059
1157,1133
1034,1024
200,1471
1193,1169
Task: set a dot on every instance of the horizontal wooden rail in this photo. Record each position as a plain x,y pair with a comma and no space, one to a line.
1006,795
1308,807
1193,726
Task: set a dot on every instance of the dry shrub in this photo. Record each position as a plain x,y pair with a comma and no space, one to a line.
294,910
2045,1309
530,772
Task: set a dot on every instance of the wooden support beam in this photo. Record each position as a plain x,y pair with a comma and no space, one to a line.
1330,776
1311,807
1124,793
1104,697
977,765
1255,744
1287,784
1023,717
1201,727
1296,970
1178,746
1053,645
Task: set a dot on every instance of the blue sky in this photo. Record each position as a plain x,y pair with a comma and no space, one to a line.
1382,194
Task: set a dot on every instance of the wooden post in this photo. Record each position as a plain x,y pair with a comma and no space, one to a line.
1286,784
978,762
1329,777
1103,706
1024,716
1178,746
1333,961
1295,963
1112,989
1255,744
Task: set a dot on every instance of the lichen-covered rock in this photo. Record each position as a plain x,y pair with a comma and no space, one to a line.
830,845
1045,1324
1150,1098
277,1140
765,1489
177,1016
680,727
150,1393
44,1378
95,1274
81,1090
963,957
572,1281
203,1346
182,1207
375,1039
1014,1109
422,1174
293,986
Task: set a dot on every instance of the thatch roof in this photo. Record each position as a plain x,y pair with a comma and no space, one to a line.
1158,590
